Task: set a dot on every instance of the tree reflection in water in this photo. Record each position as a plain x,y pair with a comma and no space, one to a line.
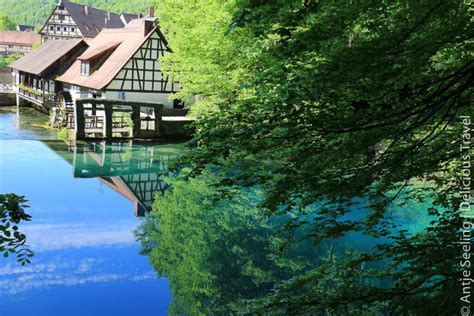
219,253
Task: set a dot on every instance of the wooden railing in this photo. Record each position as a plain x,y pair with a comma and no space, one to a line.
38,96
147,124
94,122
120,122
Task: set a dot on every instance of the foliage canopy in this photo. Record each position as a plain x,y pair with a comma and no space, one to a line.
12,212
354,106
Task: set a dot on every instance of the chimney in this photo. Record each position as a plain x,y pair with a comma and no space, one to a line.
151,12
149,26
86,10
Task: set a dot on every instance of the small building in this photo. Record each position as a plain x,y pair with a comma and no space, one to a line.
21,43
25,28
34,75
70,20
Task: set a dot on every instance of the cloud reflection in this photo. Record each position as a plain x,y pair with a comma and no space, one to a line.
61,236
16,279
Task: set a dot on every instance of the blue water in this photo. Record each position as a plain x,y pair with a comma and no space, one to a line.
86,258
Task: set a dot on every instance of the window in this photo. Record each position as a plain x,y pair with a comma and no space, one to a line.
72,30
58,28
85,68
65,29
51,28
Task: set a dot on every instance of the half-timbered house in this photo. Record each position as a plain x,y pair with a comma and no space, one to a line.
70,20
123,64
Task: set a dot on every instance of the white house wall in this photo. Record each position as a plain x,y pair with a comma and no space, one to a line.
141,78
160,98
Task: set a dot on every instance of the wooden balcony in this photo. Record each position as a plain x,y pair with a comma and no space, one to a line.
37,97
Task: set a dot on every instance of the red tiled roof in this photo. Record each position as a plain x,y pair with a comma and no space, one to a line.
132,38
24,38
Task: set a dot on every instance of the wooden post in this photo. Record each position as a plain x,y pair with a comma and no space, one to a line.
78,162
136,120
108,108
158,109
104,153
79,127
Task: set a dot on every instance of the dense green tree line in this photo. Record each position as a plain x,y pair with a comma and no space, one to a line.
351,106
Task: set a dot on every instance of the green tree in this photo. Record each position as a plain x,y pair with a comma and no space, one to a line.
348,104
6,23
12,241
5,61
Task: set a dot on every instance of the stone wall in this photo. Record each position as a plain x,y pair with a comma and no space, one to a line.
7,98
176,129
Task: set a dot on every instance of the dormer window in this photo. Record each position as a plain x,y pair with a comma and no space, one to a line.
85,67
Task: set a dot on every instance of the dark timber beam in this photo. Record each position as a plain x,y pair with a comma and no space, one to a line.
79,121
108,108
158,109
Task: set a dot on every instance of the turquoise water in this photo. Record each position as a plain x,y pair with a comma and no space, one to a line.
88,199
83,200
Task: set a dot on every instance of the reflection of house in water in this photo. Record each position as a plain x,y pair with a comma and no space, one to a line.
138,188
134,171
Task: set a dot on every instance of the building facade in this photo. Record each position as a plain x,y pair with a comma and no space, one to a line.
123,64
72,21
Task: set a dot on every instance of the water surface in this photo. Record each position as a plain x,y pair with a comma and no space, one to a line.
84,200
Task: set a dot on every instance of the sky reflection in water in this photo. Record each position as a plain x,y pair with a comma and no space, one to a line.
86,260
